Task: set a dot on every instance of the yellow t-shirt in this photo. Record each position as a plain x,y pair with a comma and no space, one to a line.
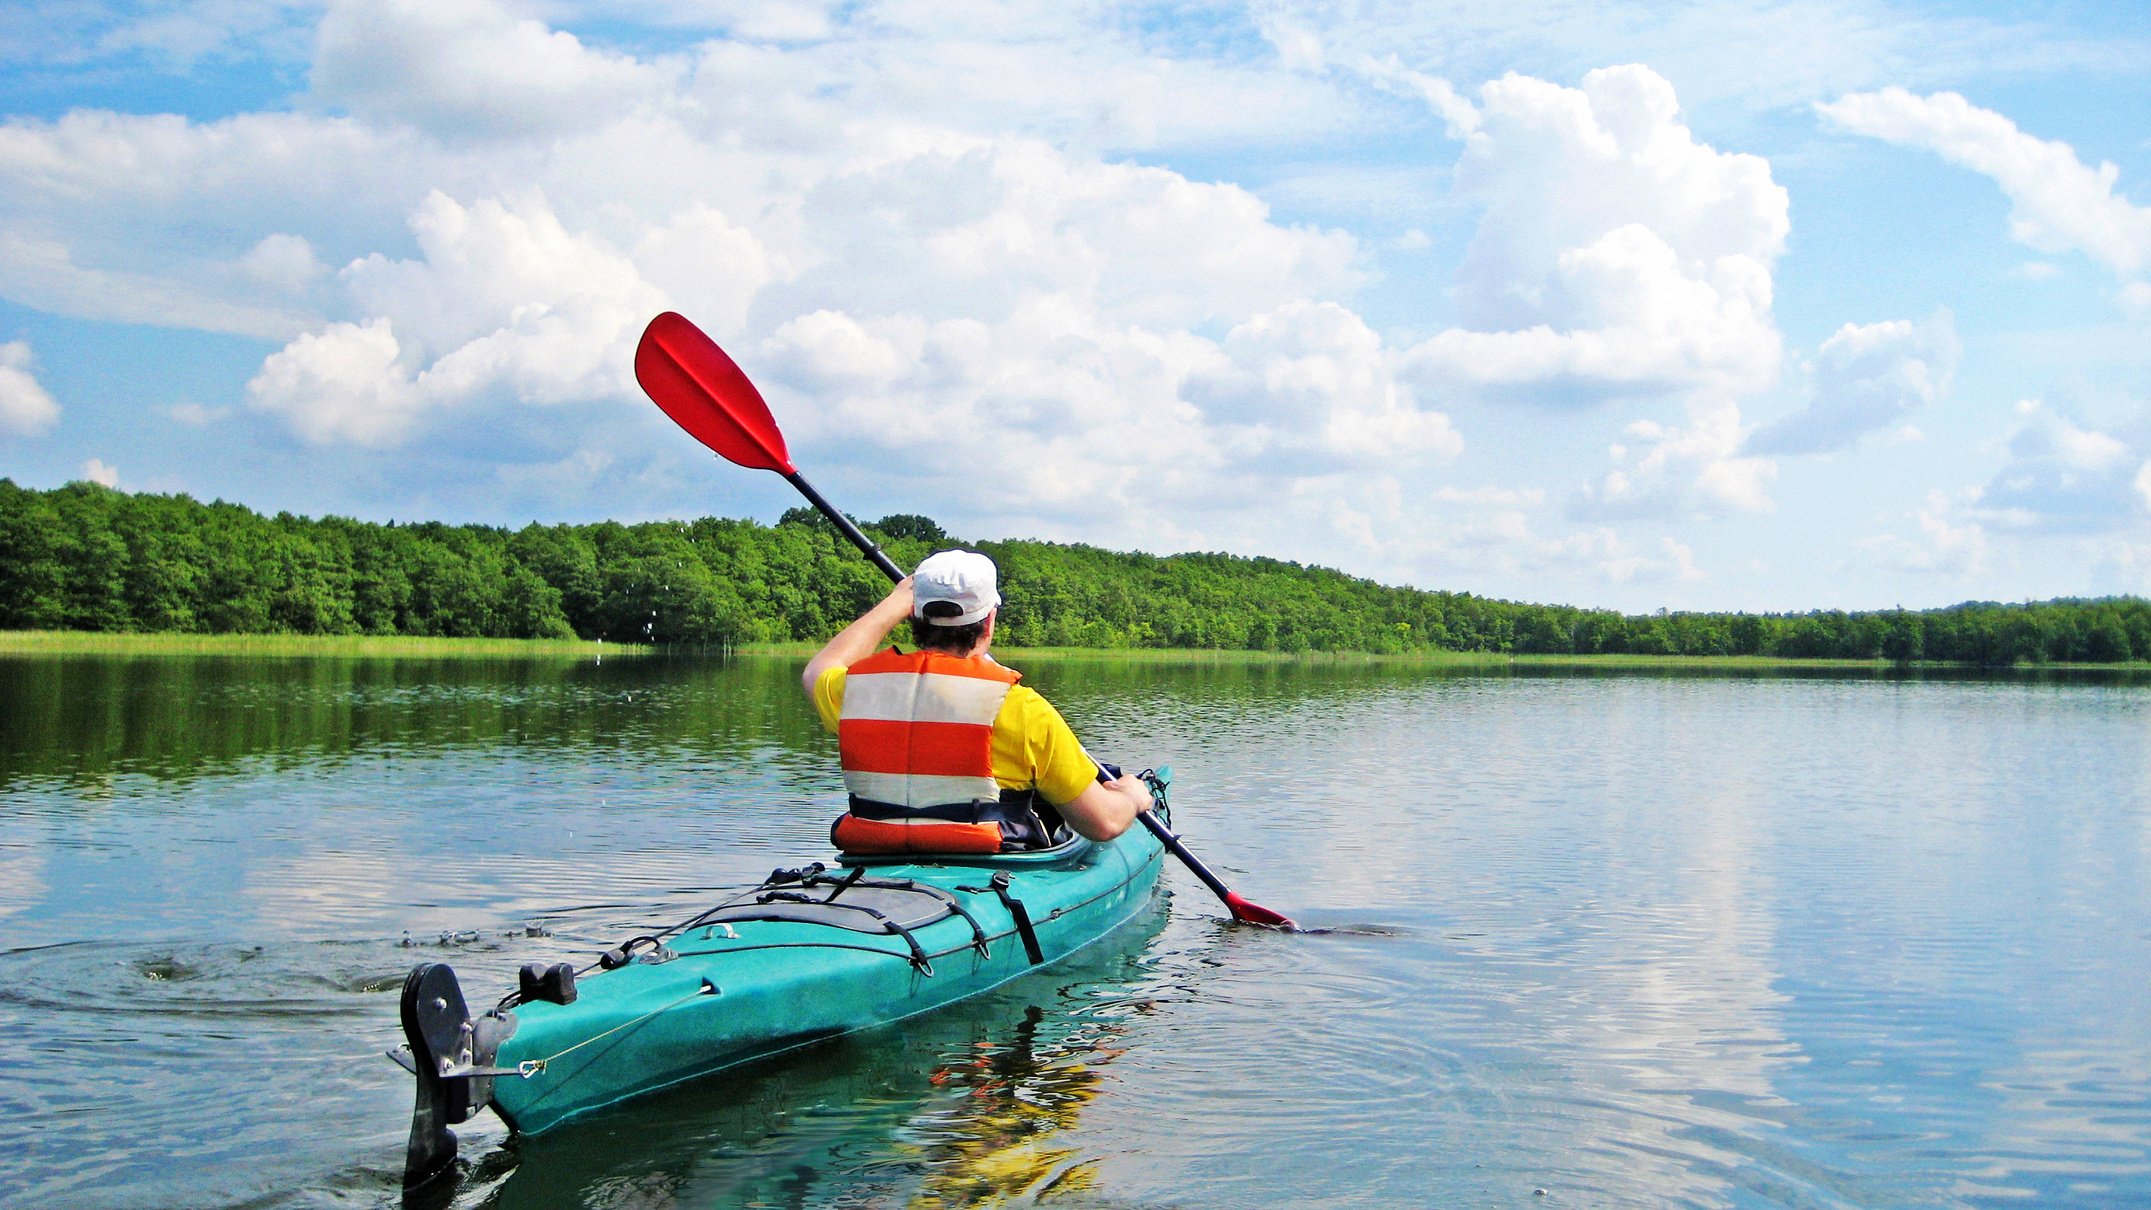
1031,747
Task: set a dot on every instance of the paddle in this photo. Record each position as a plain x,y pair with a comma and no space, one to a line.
1242,910
706,393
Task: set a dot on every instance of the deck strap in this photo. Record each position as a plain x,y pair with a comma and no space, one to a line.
1018,914
889,926
896,907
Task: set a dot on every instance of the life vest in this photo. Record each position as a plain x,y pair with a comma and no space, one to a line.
915,737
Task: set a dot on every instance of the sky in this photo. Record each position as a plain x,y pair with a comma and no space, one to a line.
1724,304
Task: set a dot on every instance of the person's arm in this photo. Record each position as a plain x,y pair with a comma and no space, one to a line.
859,640
1066,775
1105,809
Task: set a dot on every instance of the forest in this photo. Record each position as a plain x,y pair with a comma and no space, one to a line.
87,557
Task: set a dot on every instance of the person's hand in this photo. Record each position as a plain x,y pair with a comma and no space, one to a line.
858,640
1135,788
899,601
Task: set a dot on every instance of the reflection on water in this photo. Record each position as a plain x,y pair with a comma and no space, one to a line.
990,1141
1641,939
90,719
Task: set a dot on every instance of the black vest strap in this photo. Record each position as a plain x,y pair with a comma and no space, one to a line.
1016,811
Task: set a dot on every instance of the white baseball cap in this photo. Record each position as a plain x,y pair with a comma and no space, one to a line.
963,578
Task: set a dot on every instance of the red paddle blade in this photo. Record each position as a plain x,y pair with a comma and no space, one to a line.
1255,913
706,393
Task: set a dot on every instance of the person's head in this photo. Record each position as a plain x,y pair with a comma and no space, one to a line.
954,595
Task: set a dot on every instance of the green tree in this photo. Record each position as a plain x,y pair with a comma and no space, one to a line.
915,528
565,560
33,574
1904,637
2106,640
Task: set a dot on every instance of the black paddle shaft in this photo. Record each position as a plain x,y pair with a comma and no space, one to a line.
843,523
1169,840
1166,837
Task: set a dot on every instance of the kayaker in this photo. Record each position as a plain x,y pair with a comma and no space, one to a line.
942,749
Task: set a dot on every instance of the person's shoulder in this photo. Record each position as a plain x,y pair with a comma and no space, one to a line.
1030,703
828,692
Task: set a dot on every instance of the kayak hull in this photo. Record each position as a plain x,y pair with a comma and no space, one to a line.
725,994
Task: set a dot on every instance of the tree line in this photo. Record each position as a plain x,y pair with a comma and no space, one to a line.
86,557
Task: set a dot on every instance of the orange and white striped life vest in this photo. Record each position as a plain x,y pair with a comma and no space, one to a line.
915,736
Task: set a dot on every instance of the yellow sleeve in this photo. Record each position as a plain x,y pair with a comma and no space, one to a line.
829,697
1032,746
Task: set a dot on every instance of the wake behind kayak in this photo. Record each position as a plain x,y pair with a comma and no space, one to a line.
810,954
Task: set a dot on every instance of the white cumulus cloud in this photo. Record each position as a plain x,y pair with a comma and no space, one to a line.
45,274
2058,203
1052,413
1311,381
1950,542
467,70
285,262
2063,476
962,226
1674,561
1458,114
1668,471
1867,377
504,293
347,382
25,407
102,214
1615,256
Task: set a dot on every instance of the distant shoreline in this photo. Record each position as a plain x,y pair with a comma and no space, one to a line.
89,558
129,643
103,642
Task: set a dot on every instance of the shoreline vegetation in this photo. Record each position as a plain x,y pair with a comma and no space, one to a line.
139,573
364,646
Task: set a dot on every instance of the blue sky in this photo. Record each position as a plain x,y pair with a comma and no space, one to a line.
1705,305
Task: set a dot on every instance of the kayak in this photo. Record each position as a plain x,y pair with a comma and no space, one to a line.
943,1109
810,954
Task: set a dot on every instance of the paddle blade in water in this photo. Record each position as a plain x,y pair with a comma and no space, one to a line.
706,393
1241,909
1255,913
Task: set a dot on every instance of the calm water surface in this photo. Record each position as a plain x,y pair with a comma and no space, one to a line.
1588,940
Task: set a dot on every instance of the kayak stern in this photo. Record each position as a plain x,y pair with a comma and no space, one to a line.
451,1054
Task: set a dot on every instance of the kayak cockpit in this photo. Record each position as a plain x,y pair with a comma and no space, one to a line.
1069,847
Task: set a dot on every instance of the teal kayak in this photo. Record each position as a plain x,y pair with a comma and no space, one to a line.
811,954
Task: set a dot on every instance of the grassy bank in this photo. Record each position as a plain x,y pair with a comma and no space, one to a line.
86,642
1446,659
1180,655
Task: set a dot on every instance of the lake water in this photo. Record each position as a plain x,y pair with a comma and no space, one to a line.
1585,940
